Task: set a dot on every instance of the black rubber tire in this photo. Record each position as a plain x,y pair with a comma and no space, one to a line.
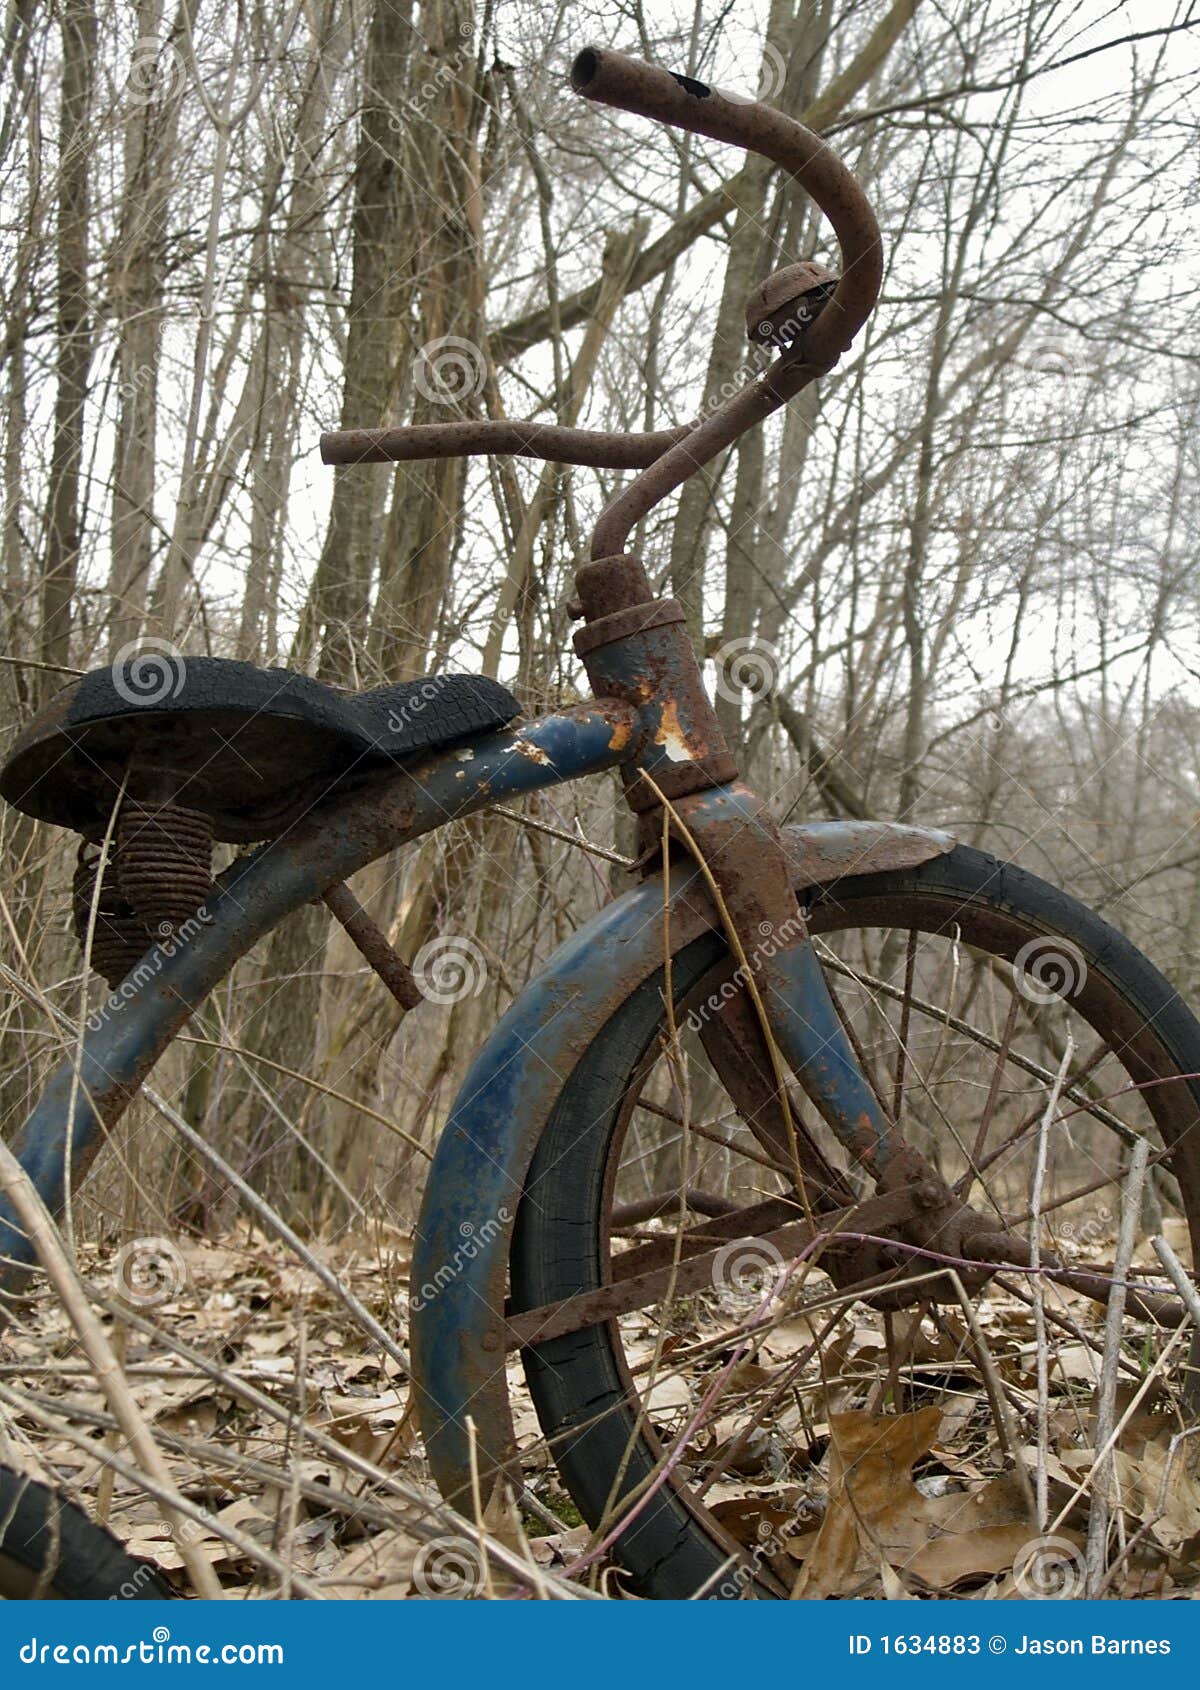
50,1549
576,1381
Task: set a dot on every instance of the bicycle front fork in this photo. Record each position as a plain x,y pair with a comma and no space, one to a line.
636,649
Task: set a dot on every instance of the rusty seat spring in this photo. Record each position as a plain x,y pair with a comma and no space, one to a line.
159,872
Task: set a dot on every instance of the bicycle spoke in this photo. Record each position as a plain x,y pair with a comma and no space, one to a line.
989,1108
910,963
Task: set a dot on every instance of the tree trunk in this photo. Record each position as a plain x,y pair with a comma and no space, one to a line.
73,331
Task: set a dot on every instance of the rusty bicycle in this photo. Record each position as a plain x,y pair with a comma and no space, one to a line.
790,1071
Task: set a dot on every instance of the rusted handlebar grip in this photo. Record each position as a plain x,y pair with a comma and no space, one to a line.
634,86
594,447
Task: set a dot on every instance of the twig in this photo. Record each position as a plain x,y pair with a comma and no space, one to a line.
46,668
1131,1409
1178,1275
197,1522
426,1506
1039,1303
270,1219
1160,1508
567,837
1006,1425
1098,1518
316,1085
290,1499
35,1218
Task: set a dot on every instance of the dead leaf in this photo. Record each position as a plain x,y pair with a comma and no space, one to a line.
872,1498
1151,1487
878,1514
381,1569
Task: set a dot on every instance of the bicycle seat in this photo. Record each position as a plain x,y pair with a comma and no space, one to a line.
249,747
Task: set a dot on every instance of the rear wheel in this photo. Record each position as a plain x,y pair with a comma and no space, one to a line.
49,1549
976,996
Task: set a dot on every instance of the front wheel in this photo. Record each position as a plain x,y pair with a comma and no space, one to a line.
982,1003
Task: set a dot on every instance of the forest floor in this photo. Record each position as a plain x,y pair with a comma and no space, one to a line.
913,1482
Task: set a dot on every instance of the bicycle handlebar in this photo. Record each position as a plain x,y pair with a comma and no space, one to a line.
671,455
593,447
632,85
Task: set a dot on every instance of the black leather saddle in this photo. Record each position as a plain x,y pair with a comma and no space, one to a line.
247,746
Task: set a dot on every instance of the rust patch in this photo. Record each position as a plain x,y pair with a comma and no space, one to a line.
621,735
672,738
